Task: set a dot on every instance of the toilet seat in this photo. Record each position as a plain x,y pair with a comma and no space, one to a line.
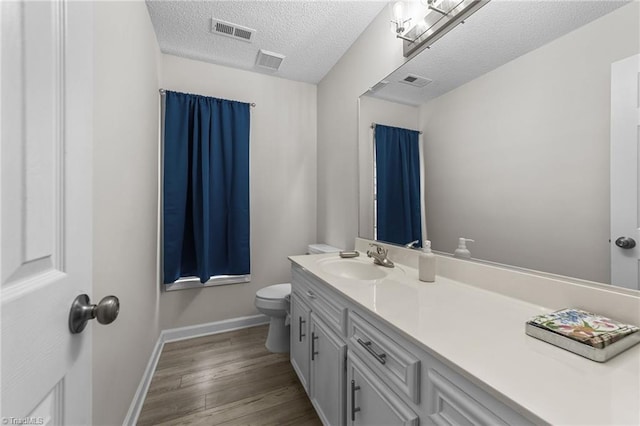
274,292
272,305
274,298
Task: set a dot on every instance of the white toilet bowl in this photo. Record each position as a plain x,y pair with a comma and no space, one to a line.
273,301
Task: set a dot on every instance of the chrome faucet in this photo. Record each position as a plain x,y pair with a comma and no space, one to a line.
380,256
412,244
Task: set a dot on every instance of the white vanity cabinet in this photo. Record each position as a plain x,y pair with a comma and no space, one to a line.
454,400
299,332
411,380
318,346
359,370
370,401
327,381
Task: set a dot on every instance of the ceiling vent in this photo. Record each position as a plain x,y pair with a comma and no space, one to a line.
232,30
269,60
415,80
378,86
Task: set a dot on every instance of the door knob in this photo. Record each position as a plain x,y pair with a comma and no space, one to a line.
626,242
82,311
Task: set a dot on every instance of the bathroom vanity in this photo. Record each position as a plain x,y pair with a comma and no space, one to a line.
376,346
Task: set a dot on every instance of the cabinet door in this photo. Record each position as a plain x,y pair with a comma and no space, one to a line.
327,373
300,338
370,402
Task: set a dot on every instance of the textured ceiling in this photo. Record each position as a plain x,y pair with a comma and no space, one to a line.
312,35
499,32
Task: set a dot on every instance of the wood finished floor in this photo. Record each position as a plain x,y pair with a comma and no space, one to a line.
225,379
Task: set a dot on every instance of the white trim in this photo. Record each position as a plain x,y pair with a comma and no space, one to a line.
182,333
423,208
216,280
138,398
198,330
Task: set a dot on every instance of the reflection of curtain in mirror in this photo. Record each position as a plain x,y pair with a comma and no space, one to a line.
397,165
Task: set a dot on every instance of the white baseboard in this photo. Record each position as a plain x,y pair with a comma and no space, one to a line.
138,398
181,333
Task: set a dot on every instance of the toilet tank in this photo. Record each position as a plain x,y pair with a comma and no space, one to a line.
321,248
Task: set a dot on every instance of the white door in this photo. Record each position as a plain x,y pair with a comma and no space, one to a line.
45,209
299,334
326,382
625,177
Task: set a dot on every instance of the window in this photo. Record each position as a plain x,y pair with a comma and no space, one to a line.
205,191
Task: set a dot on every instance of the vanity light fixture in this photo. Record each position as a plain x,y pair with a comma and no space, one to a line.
398,21
442,17
434,5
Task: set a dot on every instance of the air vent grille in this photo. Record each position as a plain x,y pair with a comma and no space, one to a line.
415,80
269,60
378,86
224,28
228,29
243,34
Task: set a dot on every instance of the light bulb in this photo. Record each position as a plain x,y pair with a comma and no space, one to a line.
398,12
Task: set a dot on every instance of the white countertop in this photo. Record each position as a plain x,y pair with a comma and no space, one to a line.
482,334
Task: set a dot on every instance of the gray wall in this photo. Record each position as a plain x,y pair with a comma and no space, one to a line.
518,159
124,201
372,57
129,69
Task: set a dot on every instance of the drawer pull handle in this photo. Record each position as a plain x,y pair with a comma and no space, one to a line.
311,294
300,333
367,345
313,346
354,409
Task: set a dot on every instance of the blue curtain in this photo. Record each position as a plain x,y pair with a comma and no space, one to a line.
206,187
398,185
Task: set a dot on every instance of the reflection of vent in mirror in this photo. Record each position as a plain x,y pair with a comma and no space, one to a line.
415,80
379,86
231,30
269,60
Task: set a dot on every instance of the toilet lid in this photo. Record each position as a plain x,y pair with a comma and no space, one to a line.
278,291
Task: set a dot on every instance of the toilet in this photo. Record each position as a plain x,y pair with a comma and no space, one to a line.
273,301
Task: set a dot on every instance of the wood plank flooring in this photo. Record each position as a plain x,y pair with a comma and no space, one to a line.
225,379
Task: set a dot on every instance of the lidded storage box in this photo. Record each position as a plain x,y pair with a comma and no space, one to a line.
589,335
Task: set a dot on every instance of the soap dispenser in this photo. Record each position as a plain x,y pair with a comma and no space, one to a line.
427,264
462,251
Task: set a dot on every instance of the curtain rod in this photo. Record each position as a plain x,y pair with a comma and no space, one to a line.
163,91
373,126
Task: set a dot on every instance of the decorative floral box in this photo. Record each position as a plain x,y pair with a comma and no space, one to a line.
586,334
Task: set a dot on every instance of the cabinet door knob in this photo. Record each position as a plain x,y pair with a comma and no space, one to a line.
354,409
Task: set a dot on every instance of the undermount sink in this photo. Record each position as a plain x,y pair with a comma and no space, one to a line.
354,268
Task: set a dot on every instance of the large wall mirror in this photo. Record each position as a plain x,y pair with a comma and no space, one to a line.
515,109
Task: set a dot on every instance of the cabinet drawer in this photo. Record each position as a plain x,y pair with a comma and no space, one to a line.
322,301
455,401
385,356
